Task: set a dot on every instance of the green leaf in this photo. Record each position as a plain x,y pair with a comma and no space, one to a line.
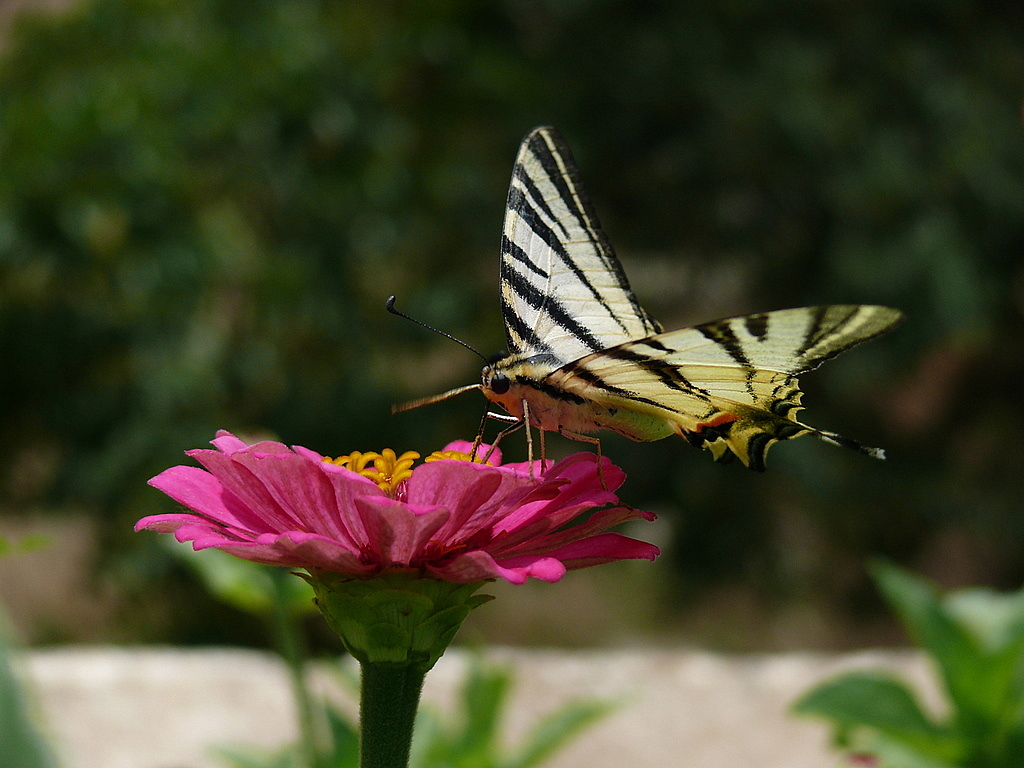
884,704
22,745
977,639
344,740
28,543
1013,746
254,757
483,702
245,585
474,741
895,754
428,738
556,730
973,684
995,619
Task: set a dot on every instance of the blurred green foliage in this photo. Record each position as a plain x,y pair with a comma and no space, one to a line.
471,737
256,589
975,638
23,744
204,204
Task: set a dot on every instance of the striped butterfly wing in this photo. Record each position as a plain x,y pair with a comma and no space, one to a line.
729,385
563,292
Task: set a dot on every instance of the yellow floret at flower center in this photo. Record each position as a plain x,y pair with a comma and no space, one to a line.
457,456
388,470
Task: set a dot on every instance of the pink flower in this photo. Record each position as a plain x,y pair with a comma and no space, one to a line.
445,519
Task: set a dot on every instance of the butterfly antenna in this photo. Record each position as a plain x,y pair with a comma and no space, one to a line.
390,305
403,407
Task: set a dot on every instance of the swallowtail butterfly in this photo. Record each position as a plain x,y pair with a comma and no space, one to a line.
583,355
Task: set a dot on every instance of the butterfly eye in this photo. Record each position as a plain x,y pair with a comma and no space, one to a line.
500,384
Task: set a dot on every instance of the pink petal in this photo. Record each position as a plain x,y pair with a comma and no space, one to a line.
309,553
204,493
306,550
549,569
169,523
475,494
302,489
477,565
603,548
348,486
165,523
310,454
537,539
241,482
227,442
442,482
402,533
271,504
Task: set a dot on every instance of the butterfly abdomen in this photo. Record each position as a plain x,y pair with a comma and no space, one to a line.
556,409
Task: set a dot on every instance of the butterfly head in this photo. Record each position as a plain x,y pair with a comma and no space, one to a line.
493,378
498,383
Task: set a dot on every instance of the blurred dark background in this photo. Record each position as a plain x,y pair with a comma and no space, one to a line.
205,203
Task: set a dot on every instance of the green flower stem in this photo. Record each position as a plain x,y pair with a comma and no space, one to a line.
388,702
396,625
292,648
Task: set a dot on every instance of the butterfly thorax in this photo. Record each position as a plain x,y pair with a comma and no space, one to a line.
518,383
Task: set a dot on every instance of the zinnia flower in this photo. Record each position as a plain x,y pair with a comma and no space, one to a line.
396,551
366,515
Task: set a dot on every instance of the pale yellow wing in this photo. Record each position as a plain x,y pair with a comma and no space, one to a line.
729,385
563,292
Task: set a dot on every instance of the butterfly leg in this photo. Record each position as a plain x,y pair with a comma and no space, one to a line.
543,452
529,441
479,435
529,437
513,425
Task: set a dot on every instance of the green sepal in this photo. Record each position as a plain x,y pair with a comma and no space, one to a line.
396,618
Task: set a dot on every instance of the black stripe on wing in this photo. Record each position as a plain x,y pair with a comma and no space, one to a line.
724,336
665,372
545,303
819,330
510,249
518,334
596,381
546,144
515,196
757,325
523,207
571,235
830,329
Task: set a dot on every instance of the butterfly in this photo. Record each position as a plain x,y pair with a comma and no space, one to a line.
584,356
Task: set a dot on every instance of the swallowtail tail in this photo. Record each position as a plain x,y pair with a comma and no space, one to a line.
584,356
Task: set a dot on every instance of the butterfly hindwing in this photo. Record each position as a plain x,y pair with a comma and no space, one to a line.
564,293
729,385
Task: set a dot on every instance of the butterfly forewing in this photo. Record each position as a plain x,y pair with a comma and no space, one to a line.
564,294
